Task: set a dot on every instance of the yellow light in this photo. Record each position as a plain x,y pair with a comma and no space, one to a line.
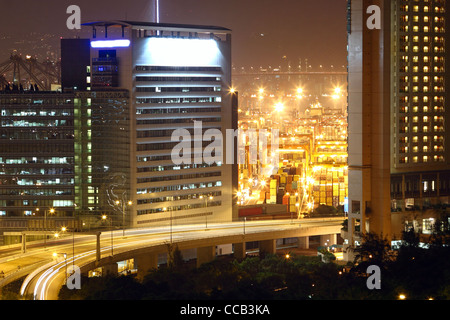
117,202
130,203
211,197
402,297
261,90
232,90
287,256
337,90
56,235
63,229
279,107
55,254
104,217
164,209
52,210
299,90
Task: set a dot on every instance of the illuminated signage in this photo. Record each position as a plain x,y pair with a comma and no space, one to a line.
180,52
123,43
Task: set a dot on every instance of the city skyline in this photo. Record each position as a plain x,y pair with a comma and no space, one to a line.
261,38
242,138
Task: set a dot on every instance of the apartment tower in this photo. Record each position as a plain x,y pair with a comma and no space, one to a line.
398,108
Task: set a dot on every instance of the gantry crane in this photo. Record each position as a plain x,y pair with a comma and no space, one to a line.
28,72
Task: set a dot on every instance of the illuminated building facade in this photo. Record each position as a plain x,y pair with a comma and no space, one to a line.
102,149
176,74
56,157
37,157
398,107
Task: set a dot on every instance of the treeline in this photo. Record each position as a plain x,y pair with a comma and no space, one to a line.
416,272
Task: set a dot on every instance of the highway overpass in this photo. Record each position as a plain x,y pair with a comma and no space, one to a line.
46,273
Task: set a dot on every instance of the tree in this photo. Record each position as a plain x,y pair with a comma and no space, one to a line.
374,248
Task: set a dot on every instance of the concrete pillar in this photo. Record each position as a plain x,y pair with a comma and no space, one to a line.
205,254
98,252
24,242
303,242
145,263
328,240
112,269
268,246
239,250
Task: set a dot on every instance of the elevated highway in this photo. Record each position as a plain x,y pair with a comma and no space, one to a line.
46,274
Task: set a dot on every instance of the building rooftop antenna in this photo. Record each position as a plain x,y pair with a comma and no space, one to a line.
157,11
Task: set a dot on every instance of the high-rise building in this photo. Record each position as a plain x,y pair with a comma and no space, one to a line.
37,159
178,77
399,160
64,158
104,145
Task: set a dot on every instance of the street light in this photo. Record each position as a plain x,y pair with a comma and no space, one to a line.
65,261
52,211
104,218
64,229
165,209
206,205
129,203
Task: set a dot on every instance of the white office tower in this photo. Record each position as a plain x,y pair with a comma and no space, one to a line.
179,78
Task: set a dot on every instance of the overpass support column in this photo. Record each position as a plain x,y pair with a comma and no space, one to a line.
205,254
98,252
239,250
24,242
112,269
145,263
303,242
328,239
268,246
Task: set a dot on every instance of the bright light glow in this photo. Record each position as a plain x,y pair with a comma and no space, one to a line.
180,52
402,297
122,43
279,107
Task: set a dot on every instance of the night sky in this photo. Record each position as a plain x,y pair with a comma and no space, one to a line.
264,31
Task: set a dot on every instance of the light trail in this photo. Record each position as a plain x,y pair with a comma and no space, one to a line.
48,282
